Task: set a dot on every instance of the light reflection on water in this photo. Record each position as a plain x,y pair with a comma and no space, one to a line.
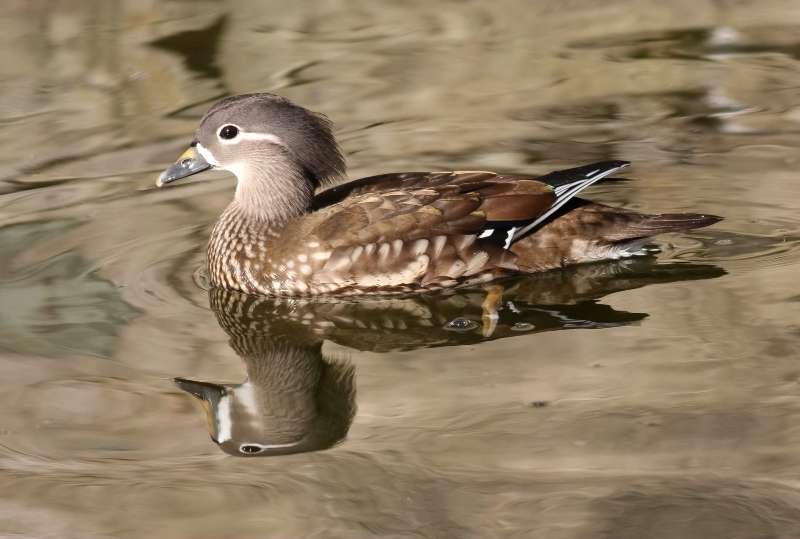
674,416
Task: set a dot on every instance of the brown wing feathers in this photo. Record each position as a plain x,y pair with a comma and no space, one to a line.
496,208
421,231
445,203
443,227
519,201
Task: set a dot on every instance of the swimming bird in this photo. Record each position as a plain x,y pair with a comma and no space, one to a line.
392,233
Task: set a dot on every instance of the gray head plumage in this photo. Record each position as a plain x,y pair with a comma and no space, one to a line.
279,152
304,136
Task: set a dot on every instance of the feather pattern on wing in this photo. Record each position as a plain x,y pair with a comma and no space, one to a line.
420,205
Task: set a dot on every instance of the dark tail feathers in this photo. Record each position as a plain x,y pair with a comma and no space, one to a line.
651,225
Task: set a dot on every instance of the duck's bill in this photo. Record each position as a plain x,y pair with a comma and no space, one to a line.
209,395
190,162
204,391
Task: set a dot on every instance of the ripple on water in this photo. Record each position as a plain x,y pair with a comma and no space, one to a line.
700,43
679,428
76,301
55,306
695,507
737,252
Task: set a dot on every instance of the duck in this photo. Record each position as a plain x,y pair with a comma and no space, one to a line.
294,229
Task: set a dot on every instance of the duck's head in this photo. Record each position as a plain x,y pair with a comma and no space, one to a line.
280,152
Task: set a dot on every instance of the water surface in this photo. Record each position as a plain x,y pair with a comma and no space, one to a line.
653,398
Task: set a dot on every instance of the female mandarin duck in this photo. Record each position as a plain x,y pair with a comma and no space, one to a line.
391,233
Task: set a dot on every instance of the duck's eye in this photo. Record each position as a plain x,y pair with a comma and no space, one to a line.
250,449
228,132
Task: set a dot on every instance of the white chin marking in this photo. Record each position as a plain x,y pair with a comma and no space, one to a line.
237,169
207,155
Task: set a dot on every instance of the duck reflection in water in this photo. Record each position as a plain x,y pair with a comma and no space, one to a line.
295,399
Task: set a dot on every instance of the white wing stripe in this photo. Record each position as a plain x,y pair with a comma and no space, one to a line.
563,194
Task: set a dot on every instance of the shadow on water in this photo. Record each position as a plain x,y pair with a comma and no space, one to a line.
295,399
197,48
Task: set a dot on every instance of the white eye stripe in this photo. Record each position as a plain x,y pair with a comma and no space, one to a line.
268,446
244,135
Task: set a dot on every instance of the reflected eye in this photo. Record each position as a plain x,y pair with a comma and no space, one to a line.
251,449
228,132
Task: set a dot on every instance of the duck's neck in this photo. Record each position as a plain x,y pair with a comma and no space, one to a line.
271,194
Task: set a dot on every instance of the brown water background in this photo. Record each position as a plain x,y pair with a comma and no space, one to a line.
681,420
